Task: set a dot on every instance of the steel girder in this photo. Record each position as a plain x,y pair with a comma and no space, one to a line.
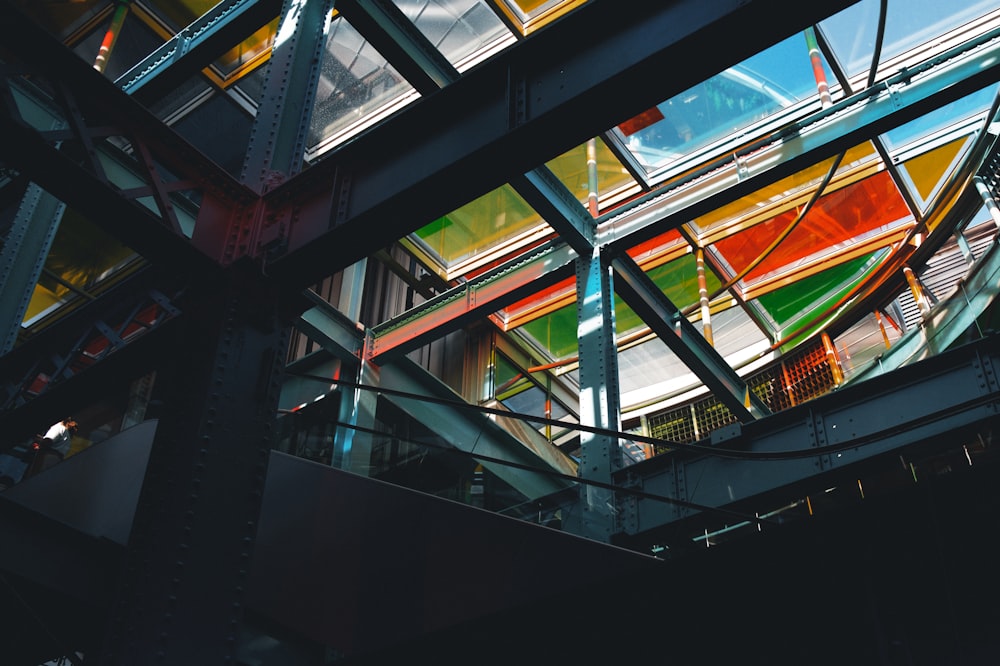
93,349
667,322
471,301
196,46
22,258
829,438
550,92
281,125
747,168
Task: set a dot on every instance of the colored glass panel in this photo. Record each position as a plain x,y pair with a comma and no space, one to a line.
806,304
766,83
678,279
833,223
479,226
571,168
82,256
746,210
531,15
555,332
927,171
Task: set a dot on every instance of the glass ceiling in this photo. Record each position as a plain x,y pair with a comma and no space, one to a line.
779,262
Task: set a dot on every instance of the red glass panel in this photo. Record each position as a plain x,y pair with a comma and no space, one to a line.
834,220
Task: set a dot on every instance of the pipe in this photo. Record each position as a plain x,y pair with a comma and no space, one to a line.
111,36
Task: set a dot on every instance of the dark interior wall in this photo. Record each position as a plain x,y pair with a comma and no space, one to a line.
905,579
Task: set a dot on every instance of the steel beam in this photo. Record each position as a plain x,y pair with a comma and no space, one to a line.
473,300
182,592
399,41
280,127
196,46
23,256
830,437
600,399
670,325
474,433
543,96
545,193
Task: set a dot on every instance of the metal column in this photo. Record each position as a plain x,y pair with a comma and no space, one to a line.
181,595
23,257
599,397
278,138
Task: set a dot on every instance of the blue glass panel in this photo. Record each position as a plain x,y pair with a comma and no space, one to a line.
728,102
909,23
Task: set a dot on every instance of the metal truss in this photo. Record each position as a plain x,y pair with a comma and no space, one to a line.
758,466
105,341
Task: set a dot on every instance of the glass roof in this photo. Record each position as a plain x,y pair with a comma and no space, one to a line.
781,259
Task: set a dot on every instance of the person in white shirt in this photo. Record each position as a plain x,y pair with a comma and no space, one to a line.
60,436
53,446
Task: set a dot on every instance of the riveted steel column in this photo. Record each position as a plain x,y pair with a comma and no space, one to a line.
23,257
599,398
181,594
352,442
278,138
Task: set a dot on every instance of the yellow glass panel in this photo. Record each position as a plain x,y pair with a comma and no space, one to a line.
571,169
928,170
480,225
533,14
81,256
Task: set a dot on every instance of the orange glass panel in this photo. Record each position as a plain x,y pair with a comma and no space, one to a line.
719,219
666,246
834,222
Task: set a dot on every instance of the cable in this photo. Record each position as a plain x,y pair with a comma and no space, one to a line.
791,454
568,477
778,239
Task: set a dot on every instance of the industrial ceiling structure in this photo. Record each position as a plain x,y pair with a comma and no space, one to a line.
649,275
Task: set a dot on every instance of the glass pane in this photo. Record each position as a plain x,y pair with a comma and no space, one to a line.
533,14
969,107
248,54
763,203
807,303
82,256
835,222
770,81
909,23
926,173
460,29
480,229
572,169
356,86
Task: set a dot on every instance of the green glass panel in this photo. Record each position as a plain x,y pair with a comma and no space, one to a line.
555,332
795,307
678,279
479,225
